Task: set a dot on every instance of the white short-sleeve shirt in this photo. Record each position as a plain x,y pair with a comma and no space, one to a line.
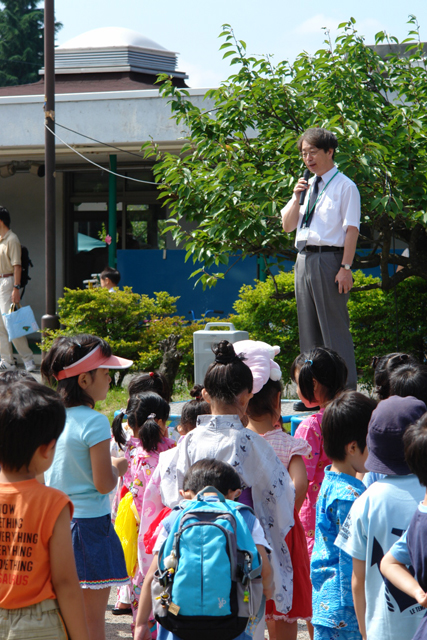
376,521
337,209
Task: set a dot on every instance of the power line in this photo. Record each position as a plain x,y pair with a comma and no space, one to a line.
119,175
111,146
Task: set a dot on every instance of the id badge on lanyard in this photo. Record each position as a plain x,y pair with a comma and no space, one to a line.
302,234
304,231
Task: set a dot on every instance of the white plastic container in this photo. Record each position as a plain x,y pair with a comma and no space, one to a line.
203,341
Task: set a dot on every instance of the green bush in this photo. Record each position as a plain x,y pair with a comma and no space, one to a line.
268,319
372,319
132,324
122,318
150,355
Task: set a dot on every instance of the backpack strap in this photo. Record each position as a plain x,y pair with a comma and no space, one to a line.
247,514
210,490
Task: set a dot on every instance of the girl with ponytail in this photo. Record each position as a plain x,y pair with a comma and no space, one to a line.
228,387
320,375
147,414
192,410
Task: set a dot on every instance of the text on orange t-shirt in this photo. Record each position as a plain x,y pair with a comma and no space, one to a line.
28,513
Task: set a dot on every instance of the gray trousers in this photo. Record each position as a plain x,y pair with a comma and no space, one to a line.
323,319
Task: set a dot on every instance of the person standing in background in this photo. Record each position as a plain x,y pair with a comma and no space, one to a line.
110,279
10,287
327,231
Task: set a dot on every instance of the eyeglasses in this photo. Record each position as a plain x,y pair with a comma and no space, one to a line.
313,153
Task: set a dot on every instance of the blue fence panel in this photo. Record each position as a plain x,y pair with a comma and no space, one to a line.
147,271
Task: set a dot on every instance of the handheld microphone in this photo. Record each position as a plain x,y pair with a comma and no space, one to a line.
306,177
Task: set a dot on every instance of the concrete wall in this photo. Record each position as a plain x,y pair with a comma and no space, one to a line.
113,117
120,116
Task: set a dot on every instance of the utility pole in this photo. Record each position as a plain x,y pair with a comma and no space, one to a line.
50,320
112,212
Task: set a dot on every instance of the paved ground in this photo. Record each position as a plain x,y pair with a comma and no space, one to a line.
116,626
119,626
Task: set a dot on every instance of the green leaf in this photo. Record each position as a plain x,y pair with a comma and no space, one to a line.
240,158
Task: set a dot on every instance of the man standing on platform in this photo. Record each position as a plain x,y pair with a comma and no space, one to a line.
10,287
327,227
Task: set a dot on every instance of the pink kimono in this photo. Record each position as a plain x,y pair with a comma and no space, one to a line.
310,430
141,467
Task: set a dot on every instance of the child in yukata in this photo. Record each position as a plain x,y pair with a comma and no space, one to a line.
345,426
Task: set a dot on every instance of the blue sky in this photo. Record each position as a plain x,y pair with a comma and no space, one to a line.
278,27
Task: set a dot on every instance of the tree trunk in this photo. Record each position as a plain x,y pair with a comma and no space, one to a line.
171,358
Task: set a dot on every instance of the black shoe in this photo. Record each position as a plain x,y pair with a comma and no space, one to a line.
300,406
117,611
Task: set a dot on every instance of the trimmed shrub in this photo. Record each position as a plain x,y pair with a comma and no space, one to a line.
122,318
372,319
133,325
268,319
385,321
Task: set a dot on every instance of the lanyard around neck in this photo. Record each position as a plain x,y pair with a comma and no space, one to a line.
309,213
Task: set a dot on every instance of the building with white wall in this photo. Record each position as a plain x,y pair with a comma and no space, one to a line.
105,89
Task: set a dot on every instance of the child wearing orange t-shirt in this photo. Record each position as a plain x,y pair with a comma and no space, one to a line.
40,595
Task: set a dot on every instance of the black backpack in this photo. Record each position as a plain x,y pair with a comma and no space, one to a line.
25,266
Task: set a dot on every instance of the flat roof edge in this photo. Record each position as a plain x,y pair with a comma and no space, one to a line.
94,95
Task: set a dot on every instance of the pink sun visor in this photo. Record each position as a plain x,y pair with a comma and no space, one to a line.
93,360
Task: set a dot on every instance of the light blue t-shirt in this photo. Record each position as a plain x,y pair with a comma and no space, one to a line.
71,471
376,521
372,477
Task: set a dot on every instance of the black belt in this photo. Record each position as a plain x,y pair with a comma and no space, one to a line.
315,249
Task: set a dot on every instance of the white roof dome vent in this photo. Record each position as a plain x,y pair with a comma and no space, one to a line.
108,37
114,49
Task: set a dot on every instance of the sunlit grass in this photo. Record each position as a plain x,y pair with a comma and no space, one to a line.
117,398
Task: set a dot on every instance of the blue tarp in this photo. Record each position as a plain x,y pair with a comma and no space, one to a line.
86,243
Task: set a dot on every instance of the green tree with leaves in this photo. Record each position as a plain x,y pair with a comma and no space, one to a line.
21,41
372,314
240,161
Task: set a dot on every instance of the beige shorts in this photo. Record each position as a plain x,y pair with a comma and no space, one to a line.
41,621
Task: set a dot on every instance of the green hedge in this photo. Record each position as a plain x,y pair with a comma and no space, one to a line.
372,319
134,324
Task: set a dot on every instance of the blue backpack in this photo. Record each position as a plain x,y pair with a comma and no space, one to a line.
208,581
